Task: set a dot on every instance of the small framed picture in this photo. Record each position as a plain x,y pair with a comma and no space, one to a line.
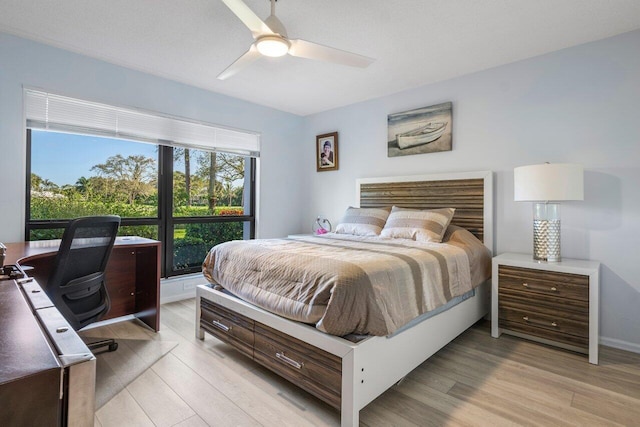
327,152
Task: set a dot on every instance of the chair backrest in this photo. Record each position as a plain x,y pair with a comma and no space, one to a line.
76,284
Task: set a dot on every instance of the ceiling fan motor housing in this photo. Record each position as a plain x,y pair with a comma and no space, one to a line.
273,46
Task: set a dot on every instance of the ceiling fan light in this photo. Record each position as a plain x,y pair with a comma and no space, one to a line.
273,46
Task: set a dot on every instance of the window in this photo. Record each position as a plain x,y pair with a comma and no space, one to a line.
212,202
190,196
72,175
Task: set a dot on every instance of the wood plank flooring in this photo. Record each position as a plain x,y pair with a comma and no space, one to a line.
474,381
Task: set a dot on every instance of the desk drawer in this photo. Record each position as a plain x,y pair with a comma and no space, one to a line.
307,366
232,328
539,282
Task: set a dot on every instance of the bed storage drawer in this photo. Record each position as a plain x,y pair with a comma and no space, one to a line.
229,327
309,367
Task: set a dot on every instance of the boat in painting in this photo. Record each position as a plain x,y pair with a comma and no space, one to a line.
422,135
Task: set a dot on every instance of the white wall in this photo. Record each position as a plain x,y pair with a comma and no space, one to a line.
578,105
26,63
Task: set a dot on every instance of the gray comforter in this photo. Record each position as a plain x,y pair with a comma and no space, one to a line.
346,284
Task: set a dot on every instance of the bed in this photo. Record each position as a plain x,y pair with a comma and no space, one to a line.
345,371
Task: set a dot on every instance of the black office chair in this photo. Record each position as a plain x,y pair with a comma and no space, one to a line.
77,282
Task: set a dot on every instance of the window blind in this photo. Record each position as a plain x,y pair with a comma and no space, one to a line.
59,113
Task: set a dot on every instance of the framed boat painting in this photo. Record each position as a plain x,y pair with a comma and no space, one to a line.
419,131
327,152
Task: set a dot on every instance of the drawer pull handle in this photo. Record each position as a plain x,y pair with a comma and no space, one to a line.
220,326
289,361
552,289
526,319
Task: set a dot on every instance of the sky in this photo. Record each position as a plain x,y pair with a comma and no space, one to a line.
63,158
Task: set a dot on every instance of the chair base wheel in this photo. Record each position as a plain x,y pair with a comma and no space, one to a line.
106,345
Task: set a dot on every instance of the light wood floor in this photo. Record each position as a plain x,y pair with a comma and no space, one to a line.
474,381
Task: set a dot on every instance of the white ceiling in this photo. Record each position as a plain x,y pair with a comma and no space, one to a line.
415,42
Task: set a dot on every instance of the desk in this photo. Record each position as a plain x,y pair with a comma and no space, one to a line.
47,373
35,378
132,275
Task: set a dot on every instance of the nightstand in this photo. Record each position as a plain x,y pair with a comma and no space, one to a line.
555,303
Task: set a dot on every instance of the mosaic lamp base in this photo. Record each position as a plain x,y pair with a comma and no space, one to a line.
546,232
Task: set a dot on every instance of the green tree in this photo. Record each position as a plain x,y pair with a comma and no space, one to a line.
133,175
42,184
83,185
70,192
101,189
211,194
222,172
187,175
230,170
180,196
36,181
185,155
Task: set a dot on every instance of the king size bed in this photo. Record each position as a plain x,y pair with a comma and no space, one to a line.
345,317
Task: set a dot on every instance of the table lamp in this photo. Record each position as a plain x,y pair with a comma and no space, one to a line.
546,185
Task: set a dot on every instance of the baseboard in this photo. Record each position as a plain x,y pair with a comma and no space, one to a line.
619,344
180,287
173,298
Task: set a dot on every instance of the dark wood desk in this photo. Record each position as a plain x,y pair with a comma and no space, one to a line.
133,274
47,373
29,370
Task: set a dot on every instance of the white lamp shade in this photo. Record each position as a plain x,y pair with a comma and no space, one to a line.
548,182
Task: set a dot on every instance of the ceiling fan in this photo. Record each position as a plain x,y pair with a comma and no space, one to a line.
271,40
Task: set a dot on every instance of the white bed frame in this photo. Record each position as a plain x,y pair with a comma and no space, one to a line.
373,365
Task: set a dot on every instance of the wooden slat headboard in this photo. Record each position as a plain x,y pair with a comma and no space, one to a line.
470,193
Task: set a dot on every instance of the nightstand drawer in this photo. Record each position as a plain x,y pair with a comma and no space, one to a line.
578,343
548,321
563,285
568,308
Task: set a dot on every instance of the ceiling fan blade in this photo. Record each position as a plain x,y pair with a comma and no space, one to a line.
305,49
248,17
251,55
